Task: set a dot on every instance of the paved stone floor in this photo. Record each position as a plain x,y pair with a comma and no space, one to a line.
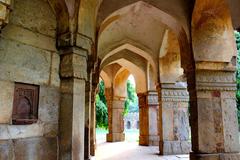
131,151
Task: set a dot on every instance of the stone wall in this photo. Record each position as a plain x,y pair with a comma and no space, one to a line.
28,55
132,119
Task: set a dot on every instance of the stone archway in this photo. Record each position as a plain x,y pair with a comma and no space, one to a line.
164,21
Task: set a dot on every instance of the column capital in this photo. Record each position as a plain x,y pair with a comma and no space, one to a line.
152,98
73,63
215,80
175,92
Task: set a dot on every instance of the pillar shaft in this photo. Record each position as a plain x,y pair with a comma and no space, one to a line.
153,106
215,116
174,120
143,120
87,118
93,124
73,71
95,81
115,117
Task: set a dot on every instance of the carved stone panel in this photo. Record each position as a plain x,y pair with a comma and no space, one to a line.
25,105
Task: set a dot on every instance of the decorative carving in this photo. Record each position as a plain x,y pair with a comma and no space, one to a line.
174,93
4,12
216,80
152,98
25,109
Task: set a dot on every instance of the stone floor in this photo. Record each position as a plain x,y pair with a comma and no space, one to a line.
131,151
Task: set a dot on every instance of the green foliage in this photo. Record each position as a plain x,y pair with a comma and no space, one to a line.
237,36
101,92
101,108
131,103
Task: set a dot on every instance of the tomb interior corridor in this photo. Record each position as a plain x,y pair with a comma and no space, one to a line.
181,53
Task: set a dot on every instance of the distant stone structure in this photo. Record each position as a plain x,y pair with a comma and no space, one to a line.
131,121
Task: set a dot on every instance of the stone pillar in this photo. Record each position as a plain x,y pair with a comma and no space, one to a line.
214,122
153,104
95,81
143,119
73,72
115,117
87,116
109,99
174,124
93,123
4,12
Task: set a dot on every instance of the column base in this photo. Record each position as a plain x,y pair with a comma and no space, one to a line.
115,137
175,147
153,140
217,156
143,140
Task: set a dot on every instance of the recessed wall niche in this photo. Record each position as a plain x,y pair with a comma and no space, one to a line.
25,104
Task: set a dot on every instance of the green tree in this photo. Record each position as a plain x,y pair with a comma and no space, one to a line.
101,108
102,92
237,36
131,103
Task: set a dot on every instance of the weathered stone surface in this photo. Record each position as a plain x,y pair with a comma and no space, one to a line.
175,119
6,101
230,124
38,148
49,104
22,63
153,140
74,64
54,73
216,116
219,156
213,39
176,147
4,12
116,134
6,150
36,15
20,131
29,37
115,137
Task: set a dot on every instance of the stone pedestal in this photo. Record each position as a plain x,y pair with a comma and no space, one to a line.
115,117
143,119
174,136
73,74
214,117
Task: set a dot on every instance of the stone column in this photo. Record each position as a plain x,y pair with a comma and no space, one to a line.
174,122
153,104
93,123
88,89
115,116
143,119
109,99
95,81
4,12
73,72
214,122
